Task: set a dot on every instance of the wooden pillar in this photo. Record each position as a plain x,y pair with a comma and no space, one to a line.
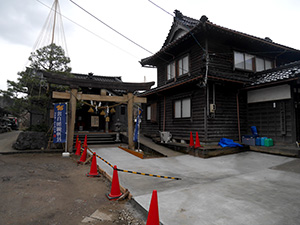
71,120
130,120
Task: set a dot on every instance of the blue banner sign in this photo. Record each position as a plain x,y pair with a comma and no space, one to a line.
60,123
137,125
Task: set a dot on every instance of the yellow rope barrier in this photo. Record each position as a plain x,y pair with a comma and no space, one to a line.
133,172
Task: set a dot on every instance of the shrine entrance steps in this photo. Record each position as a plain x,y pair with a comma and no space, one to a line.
96,138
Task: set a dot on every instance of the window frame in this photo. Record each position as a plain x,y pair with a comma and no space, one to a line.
182,66
176,68
151,110
181,102
148,111
171,70
250,58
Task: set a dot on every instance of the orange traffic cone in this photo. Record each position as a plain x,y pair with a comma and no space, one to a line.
78,149
94,170
115,192
85,141
191,140
83,156
197,145
153,215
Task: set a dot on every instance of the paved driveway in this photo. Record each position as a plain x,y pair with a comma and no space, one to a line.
245,188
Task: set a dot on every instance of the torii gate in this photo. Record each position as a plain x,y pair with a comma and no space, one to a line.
73,95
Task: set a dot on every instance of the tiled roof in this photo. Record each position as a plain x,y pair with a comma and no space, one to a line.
286,72
185,20
194,26
236,77
91,76
186,79
265,40
283,73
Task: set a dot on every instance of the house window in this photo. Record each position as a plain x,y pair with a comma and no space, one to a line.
178,67
260,64
183,65
151,112
268,65
182,108
250,62
239,60
171,70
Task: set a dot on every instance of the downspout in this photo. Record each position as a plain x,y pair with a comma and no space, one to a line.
207,100
238,114
206,90
164,122
207,61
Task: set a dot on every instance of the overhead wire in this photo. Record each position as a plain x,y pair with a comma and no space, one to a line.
98,36
110,27
214,53
176,18
116,31
198,41
135,43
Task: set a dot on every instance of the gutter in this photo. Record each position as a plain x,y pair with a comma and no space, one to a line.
269,84
172,86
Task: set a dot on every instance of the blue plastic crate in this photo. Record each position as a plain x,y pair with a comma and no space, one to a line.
248,140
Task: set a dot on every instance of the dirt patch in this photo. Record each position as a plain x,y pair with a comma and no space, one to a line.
50,189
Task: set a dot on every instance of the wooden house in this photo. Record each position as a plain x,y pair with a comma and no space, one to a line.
214,81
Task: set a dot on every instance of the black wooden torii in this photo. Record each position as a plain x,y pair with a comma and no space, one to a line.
73,96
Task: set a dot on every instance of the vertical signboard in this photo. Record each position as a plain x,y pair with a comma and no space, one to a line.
137,125
60,123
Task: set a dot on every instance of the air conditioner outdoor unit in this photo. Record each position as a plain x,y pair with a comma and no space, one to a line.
165,136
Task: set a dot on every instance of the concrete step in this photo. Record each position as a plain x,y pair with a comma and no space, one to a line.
96,138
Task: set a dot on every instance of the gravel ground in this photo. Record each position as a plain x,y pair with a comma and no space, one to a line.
46,188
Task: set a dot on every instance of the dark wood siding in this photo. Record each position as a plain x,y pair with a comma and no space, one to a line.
151,127
195,59
180,128
197,62
161,75
223,124
274,122
221,60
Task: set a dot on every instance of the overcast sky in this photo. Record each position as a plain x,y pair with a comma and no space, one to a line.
106,53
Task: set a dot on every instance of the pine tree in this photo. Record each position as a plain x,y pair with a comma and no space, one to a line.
31,92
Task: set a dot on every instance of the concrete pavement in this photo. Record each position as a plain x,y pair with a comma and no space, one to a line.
159,148
245,188
6,141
